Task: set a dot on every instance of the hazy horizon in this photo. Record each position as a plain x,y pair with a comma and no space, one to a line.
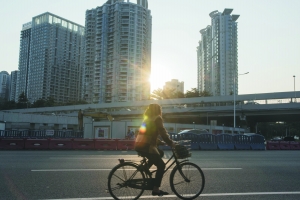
268,38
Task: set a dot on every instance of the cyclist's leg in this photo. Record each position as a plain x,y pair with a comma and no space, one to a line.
159,163
161,153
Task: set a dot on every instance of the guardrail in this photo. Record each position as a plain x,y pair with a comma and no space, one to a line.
222,141
198,142
41,134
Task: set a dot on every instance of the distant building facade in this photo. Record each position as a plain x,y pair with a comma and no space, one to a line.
22,77
174,85
117,52
51,59
13,85
217,55
4,85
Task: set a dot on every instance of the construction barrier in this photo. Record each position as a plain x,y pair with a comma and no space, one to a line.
106,144
284,145
224,142
207,142
273,145
208,146
57,144
241,142
258,146
125,145
11,144
83,144
196,142
257,142
294,145
229,146
36,144
165,147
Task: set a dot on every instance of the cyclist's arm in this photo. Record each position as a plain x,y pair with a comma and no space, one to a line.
163,132
159,142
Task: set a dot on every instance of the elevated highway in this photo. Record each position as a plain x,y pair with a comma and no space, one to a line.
250,109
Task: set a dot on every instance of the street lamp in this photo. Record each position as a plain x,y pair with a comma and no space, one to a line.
223,128
234,99
294,89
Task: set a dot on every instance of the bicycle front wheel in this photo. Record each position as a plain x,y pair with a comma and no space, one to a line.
126,181
187,180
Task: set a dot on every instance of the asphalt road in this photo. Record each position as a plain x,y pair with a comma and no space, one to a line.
62,175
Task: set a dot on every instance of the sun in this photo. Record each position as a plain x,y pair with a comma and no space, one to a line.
158,78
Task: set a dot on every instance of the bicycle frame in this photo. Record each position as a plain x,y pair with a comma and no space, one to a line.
147,182
149,173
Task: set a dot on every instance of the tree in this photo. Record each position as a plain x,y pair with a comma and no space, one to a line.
192,93
39,103
22,101
7,105
159,94
204,93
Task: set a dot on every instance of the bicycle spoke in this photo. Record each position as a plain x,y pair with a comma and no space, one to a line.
126,182
118,177
187,181
179,182
116,188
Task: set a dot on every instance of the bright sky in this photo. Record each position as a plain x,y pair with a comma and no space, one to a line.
268,37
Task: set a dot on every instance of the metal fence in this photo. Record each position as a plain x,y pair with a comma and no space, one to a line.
41,134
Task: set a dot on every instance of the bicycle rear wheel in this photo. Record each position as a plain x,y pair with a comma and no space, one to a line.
190,188
126,181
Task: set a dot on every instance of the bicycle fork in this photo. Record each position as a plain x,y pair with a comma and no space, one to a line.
182,174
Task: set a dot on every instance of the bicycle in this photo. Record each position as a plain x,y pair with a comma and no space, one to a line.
128,179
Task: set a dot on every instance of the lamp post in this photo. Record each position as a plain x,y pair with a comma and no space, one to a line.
234,99
223,128
294,89
194,125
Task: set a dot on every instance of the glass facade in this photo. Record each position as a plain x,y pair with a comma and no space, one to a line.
217,55
117,52
54,59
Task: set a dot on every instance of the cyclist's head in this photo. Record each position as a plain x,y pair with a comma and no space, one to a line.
153,110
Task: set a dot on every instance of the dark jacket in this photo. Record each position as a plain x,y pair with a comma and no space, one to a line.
147,138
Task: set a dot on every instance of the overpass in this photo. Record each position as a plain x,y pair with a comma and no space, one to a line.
250,109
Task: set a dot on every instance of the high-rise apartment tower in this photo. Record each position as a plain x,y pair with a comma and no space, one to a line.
22,77
117,52
4,85
13,85
51,59
217,55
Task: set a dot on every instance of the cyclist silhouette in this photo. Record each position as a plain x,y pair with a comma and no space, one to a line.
147,140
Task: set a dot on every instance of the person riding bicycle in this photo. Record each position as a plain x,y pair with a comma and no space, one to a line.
147,140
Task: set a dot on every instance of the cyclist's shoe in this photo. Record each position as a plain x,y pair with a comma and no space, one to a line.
160,193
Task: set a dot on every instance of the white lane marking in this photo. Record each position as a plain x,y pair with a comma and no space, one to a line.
202,195
72,170
95,158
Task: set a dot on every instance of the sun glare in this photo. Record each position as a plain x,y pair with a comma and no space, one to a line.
159,78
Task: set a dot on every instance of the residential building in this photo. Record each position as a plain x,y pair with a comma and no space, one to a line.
174,85
4,85
51,59
117,52
217,55
13,85
22,77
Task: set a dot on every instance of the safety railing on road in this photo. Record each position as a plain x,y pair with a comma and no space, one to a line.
41,134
